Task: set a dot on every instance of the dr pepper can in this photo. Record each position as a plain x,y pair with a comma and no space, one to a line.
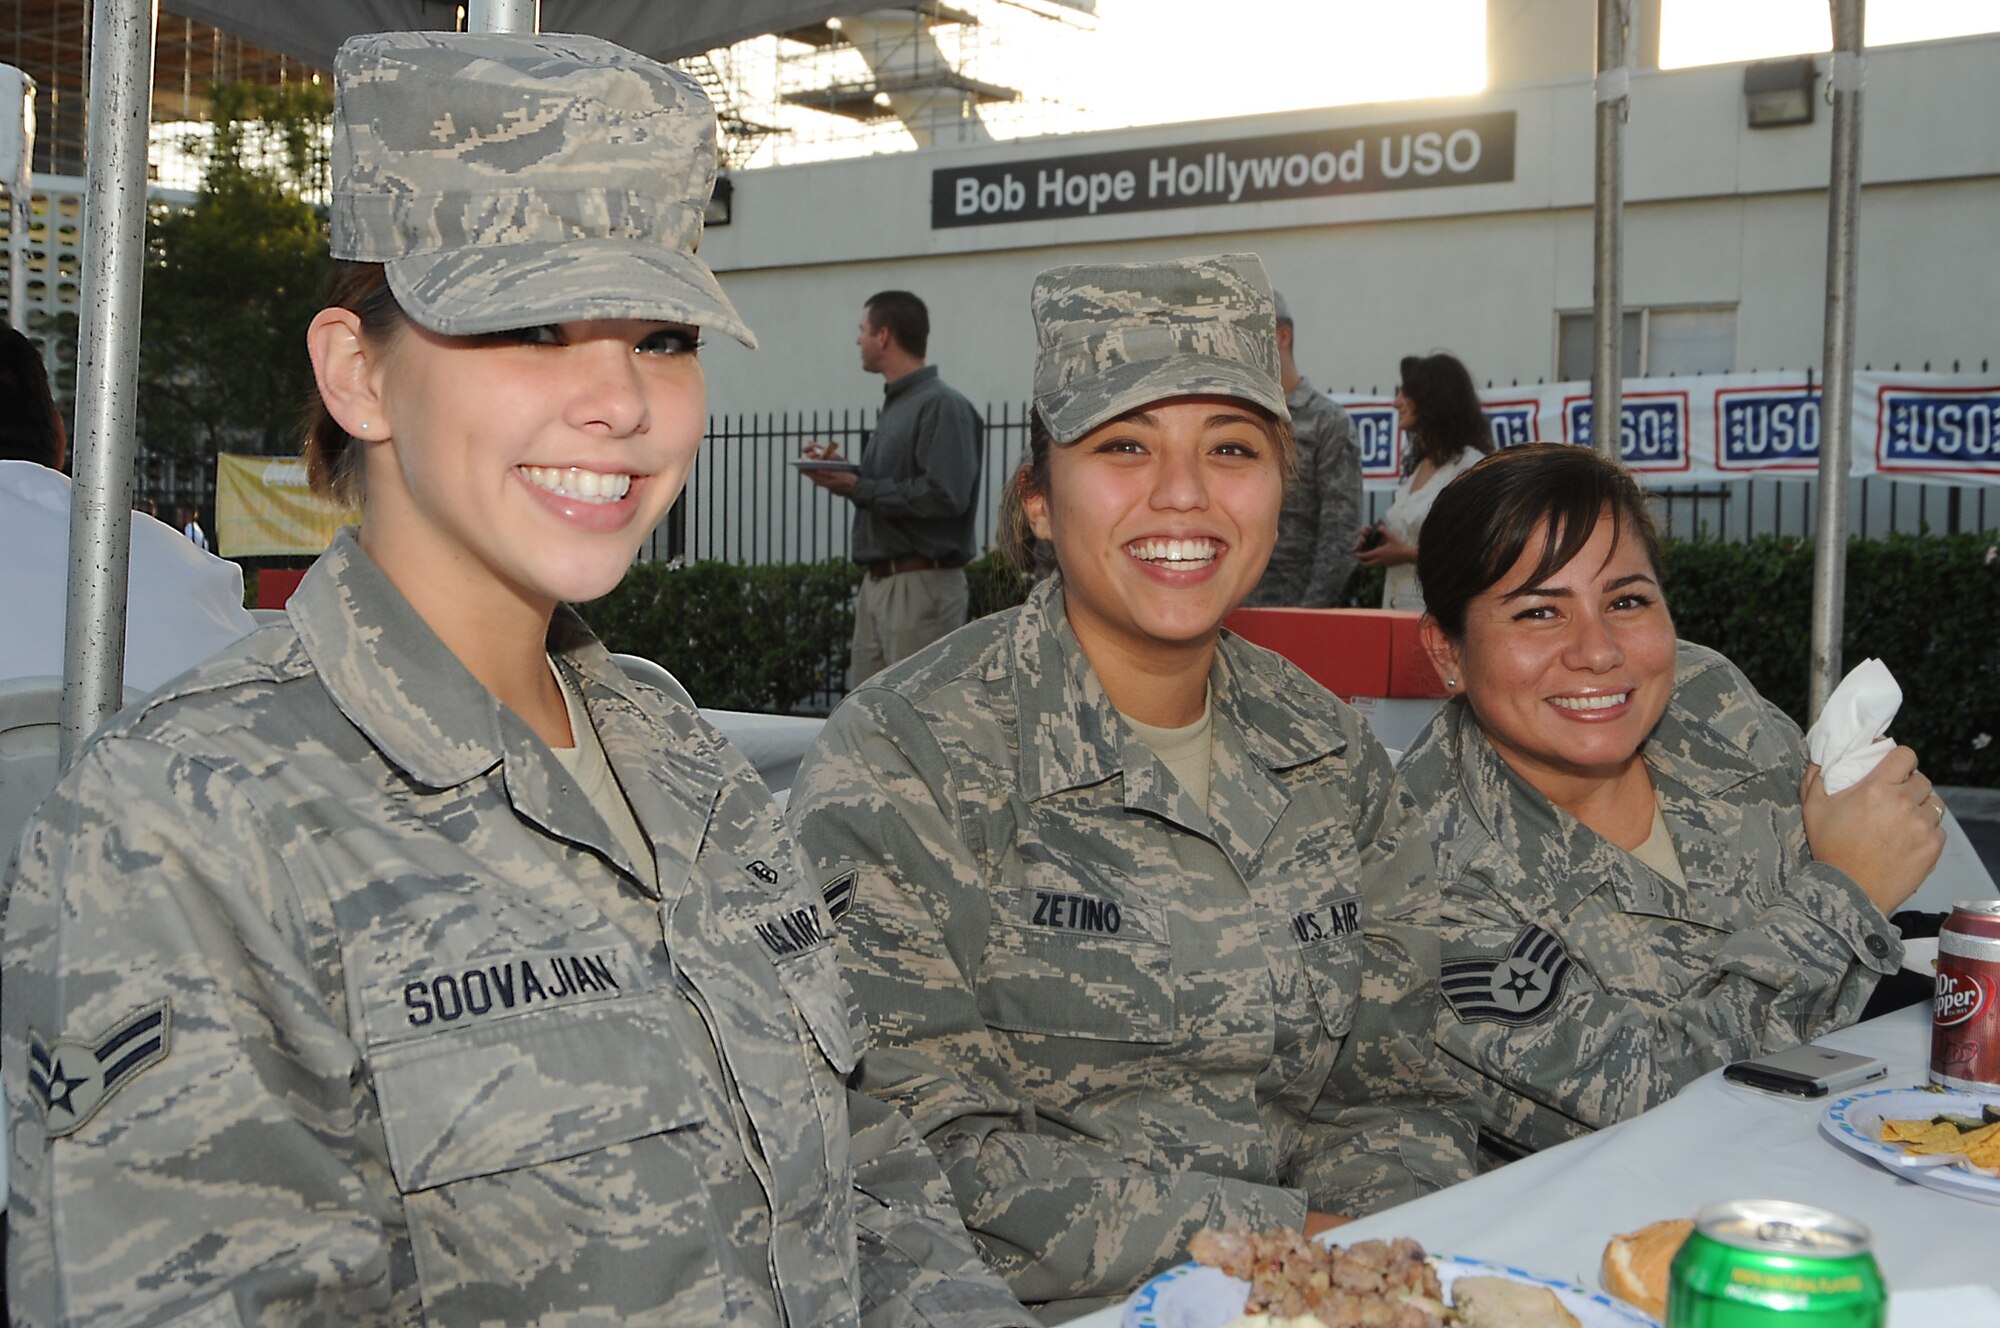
1767,1263
1965,1011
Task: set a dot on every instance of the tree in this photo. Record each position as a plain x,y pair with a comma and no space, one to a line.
231,283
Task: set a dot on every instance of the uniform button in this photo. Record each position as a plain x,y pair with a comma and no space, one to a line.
1877,946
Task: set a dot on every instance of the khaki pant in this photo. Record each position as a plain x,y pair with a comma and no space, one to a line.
896,616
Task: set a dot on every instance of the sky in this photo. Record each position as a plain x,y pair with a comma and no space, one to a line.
1283,54
1164,61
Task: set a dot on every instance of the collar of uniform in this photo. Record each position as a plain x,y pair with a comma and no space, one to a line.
1301,395
390,674
1570,861
914,378
1071,734
1684,750
1693,746
666,758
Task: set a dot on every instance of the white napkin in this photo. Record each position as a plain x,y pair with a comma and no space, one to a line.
1846,741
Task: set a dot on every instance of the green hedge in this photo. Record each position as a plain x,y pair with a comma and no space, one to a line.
771,638
1927,606
776,638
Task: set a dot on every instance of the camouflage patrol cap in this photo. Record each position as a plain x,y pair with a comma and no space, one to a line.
1113,337
511,180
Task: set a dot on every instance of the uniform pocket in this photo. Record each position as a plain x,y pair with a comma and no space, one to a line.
1072,964
529,1089
1329,940
820,995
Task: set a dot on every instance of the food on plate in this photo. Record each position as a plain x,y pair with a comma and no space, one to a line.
827,451
1499,1302
1370,1284
1636,1264
1978,1139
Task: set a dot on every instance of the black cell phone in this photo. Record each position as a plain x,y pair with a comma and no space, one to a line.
1808,1071
1370,538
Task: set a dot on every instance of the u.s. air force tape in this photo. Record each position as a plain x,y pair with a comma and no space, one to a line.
72,1079
1518,987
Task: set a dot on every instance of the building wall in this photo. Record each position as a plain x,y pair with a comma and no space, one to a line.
1717,214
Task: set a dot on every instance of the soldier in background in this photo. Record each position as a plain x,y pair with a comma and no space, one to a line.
406,963
1133,904
914,493
1642,877
1314,554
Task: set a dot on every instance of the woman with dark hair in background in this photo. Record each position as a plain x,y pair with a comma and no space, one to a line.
1438,410
1643,879
1131,903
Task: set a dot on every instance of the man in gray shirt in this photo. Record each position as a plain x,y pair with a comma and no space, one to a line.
913,494
1322,512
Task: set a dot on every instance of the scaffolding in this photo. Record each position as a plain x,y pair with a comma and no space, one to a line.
904,74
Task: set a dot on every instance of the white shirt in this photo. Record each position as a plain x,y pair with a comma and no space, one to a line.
1405,519
182,605
195,533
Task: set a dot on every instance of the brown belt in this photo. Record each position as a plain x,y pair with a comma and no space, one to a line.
910,562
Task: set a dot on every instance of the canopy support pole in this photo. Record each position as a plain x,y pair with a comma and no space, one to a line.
1836,399
503,16
107,367
1607,360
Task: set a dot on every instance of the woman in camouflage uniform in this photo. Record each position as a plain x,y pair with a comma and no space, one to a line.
1642,877
1130,901
406,963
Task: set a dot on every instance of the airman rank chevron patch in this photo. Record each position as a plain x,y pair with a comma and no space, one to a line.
839,893
1519,987
73,1079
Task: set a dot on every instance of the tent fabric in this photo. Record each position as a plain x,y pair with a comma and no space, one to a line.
663,29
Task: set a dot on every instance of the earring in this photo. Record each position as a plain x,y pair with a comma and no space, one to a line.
364,428
1451,684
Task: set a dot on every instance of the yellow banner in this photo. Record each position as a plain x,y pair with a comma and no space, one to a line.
265,509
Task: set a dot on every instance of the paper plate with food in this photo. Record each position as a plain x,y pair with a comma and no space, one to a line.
1279,1279
1946,1139
824,456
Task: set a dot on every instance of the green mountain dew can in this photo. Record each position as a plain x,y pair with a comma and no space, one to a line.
1765,1263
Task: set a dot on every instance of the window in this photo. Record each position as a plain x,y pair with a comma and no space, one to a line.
1658,342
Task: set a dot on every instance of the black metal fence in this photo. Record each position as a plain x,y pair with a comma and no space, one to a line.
746,503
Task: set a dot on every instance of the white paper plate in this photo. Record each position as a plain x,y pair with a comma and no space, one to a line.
1855,1123
1193,1296
813,463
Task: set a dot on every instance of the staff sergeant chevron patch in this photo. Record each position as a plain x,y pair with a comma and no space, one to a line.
73,1079
1519,987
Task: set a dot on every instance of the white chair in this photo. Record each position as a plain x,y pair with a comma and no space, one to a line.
640,669
30,737
773,743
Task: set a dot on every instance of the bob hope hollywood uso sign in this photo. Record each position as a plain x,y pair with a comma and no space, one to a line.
1411,154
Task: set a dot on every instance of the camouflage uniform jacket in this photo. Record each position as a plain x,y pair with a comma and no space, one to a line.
1119,1018
330,1000
1581,986
1314,554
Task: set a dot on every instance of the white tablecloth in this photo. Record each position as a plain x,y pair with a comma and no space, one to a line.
1552,1212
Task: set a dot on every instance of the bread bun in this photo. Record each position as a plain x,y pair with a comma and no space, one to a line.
1499,1302
1636,1265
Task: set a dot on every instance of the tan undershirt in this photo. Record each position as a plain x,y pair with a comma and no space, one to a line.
1658,850
1185,751
587,765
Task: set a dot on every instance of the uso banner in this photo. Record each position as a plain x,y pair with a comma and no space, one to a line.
1680,431
264,509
